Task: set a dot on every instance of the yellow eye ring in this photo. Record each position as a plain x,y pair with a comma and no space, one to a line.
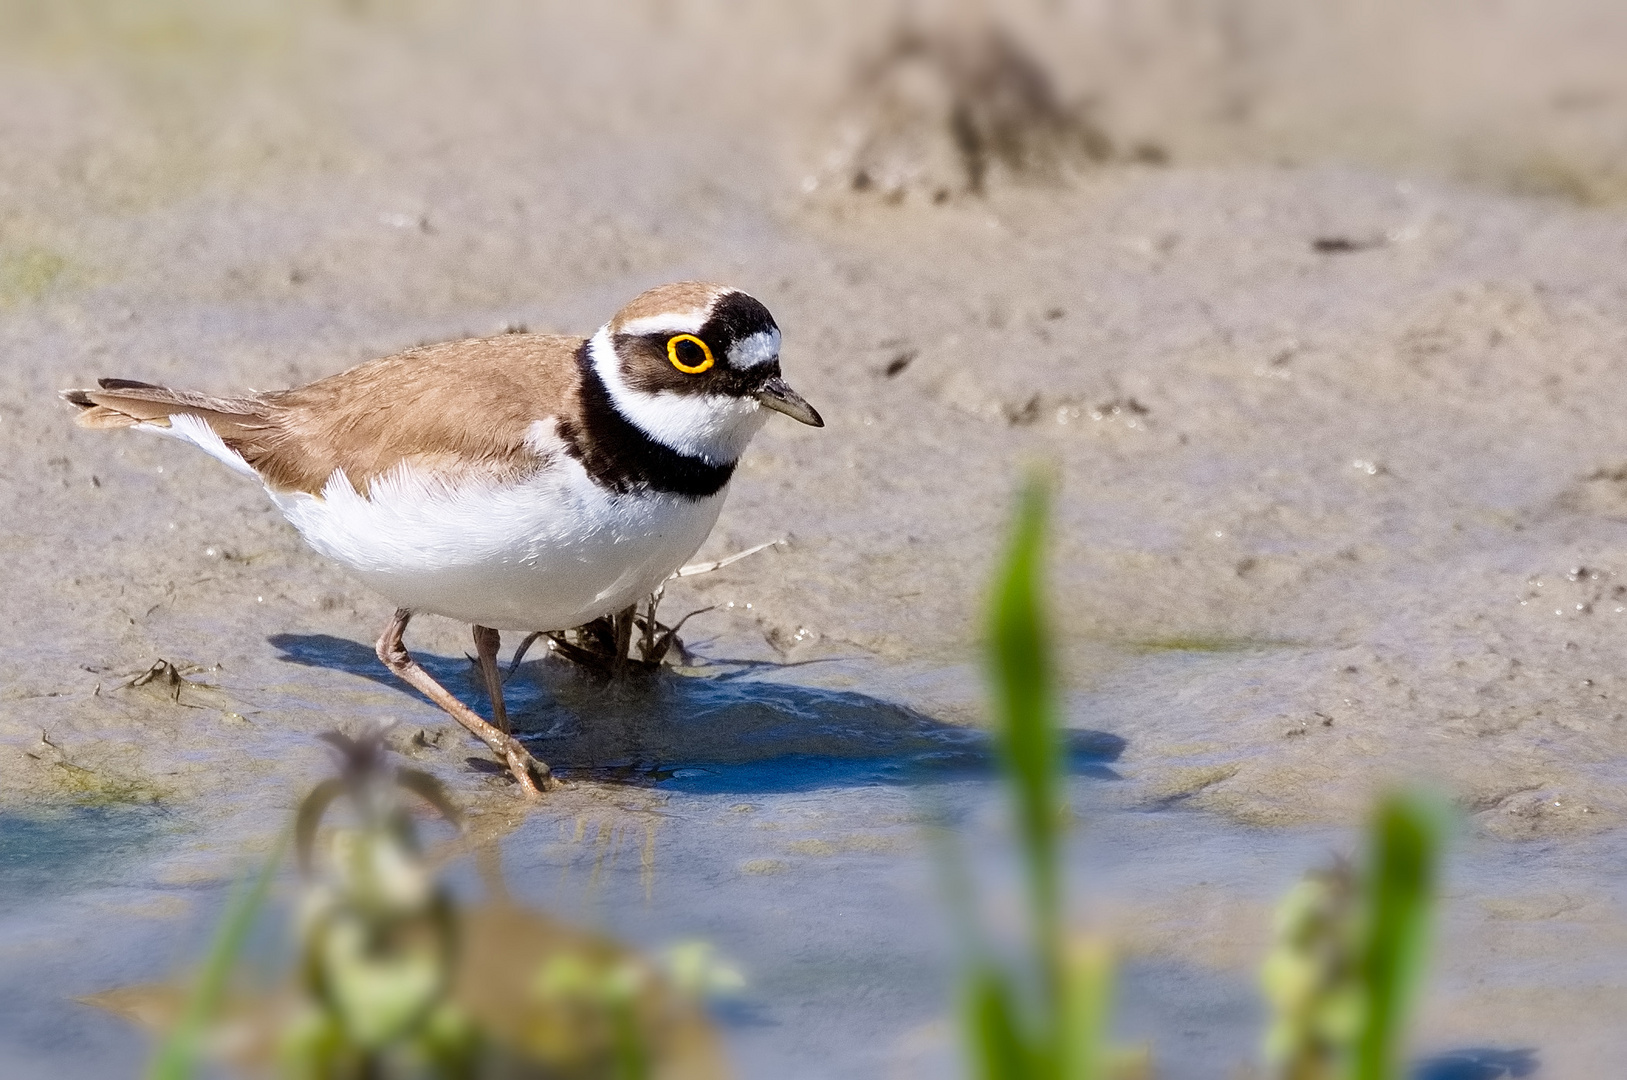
689,369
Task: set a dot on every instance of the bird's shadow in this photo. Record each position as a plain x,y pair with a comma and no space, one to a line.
1479,1063
736,732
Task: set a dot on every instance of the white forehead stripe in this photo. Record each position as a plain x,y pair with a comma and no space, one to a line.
668,322
762,347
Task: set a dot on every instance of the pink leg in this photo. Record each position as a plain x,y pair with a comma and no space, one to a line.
531,774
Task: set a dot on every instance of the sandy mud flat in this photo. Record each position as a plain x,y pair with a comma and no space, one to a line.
1341,449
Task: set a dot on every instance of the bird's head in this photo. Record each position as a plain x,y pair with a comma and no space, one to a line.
694,366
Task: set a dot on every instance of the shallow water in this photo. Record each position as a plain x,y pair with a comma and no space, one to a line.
73,887
797,849
45,855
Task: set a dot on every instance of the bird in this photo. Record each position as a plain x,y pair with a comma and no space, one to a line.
522,482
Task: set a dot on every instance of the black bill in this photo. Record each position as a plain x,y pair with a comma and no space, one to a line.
776,395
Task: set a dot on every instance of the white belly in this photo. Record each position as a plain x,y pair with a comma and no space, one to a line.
549,553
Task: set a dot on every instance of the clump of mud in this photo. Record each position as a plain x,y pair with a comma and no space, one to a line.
942,112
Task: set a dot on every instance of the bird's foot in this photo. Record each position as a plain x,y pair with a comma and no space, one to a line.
533,776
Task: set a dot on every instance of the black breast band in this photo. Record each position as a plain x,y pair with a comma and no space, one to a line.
621,457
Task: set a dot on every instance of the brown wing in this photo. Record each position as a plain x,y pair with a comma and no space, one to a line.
457,408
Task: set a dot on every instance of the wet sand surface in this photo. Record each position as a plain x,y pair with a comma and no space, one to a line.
1341,452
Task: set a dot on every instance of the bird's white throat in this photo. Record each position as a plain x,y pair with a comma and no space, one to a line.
712,427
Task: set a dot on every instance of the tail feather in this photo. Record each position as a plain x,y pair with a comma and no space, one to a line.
125,403
236,431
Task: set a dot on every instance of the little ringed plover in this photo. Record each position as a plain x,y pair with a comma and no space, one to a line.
523,482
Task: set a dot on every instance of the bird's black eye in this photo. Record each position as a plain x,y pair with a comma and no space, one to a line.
689,354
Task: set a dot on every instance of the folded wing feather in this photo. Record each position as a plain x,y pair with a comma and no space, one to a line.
458,408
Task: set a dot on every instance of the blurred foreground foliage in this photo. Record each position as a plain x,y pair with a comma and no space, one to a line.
1062,1033
1348,953
1349,948
397,980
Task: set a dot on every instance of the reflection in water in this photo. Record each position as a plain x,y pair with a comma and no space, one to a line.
738,731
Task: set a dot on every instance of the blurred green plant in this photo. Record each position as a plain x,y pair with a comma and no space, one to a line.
1406,838
178,1053
1341,976
396,980
379,937
1348,952
1310,977
1062,1035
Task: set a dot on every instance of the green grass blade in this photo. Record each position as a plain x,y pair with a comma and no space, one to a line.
996,1044
632,1056
1406,840
1027,735
177,1056
1086,1006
